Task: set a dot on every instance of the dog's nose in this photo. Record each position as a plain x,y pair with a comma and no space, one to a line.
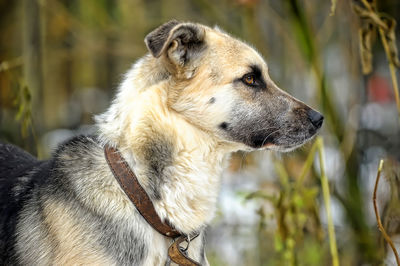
315,118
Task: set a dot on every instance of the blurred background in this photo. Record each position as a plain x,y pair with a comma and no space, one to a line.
61,62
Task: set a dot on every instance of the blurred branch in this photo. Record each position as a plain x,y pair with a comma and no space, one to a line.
23,102
7,65
378,218
23,105
333,7
260,194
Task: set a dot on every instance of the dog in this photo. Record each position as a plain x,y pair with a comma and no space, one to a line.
181,110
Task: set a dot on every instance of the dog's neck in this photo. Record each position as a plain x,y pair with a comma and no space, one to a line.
178,165
179,170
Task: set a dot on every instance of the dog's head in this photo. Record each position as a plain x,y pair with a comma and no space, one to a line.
222,86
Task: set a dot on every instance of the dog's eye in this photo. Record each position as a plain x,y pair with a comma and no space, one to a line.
249,79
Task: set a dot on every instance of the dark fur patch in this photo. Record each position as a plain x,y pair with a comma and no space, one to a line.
14,161
212,100
158,154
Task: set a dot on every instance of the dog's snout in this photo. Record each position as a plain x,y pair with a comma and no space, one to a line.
316,118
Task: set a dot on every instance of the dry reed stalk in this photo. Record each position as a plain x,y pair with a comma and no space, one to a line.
378,218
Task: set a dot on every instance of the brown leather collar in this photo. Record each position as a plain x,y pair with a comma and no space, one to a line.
135,192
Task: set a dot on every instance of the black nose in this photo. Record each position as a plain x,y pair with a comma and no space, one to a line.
315,118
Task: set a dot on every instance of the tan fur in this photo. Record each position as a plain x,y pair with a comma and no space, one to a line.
72,245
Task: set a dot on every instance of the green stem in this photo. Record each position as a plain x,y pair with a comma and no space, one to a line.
327,201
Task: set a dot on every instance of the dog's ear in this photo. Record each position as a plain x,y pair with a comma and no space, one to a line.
179,41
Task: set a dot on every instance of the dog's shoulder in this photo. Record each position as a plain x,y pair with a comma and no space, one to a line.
80,151
75,163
